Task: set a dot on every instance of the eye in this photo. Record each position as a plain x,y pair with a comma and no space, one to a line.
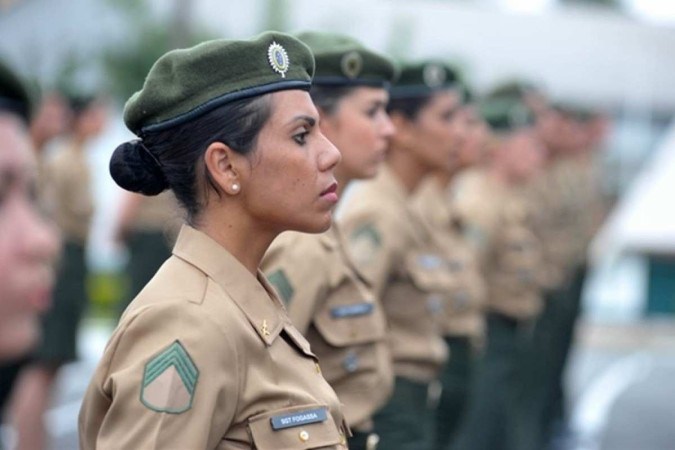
300,137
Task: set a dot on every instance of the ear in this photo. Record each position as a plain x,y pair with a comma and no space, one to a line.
224,166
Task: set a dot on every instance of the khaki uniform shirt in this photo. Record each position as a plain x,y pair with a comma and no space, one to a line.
329,302
206,357
392,249
497,218
68,193
465,302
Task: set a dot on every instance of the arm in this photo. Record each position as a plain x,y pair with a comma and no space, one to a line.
169,379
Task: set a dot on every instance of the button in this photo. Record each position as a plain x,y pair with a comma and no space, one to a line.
304,436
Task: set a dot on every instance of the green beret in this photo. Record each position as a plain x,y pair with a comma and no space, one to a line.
424,78
513,88
343,61
185,84
14,94
505,113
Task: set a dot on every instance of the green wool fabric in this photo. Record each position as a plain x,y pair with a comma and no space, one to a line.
14,94
422,79
185,84
344,61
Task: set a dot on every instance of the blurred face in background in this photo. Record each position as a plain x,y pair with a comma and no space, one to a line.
434,136
51,119
90,120
28,245
473,148
519,154
360,128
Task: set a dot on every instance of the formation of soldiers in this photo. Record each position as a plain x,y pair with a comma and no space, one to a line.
442,301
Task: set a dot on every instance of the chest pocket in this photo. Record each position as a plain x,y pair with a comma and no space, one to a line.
296,428
429,271
350,314
520,254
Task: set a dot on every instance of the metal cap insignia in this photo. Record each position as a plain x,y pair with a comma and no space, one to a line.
278,59
434,75
351,64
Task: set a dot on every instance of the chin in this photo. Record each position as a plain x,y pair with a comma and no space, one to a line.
316,226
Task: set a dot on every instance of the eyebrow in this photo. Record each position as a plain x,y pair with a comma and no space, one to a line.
311,121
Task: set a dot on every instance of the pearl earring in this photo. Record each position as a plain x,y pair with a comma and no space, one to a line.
235,187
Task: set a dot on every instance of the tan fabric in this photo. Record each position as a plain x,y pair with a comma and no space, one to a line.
511,253
391,248
252,364
68,192
569,209
352,347
465,301
159,212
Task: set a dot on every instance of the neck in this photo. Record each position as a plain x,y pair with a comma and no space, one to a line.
240,236
406,168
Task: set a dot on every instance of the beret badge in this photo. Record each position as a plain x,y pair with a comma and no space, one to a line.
278,59
434,75
351,64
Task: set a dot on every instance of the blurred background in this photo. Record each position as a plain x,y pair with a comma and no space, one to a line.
614,56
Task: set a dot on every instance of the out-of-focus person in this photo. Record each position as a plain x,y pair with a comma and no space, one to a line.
28,244
148,227
397,253
491,203
69,201
326,297
463,325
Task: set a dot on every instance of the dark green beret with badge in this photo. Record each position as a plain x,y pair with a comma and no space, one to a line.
185,84
423,79
15,97
344,61
506,113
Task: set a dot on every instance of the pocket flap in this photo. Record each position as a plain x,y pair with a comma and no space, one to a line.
298,427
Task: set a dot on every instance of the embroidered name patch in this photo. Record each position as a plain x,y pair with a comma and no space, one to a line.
359,309
299,418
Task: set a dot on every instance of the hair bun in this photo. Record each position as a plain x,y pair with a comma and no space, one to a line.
134,169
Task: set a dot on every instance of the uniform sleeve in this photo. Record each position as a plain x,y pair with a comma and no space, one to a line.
169,379
299,275
374,246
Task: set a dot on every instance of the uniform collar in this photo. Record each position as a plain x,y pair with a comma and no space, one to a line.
254,297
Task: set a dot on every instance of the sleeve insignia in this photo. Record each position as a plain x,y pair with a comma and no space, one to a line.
282,285
169,381
363,243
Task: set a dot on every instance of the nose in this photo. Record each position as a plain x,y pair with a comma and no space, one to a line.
387,126
329,157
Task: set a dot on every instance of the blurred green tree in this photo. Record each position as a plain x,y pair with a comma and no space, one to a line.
149,38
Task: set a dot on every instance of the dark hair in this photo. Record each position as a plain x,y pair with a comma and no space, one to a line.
408,106
173,158
326,98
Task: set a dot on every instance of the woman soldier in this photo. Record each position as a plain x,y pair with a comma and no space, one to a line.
463,324
392,247
326,297
205,356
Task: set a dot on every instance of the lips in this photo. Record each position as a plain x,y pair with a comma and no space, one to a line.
330,193
330,189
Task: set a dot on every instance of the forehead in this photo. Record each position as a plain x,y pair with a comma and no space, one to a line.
288,105
15,147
